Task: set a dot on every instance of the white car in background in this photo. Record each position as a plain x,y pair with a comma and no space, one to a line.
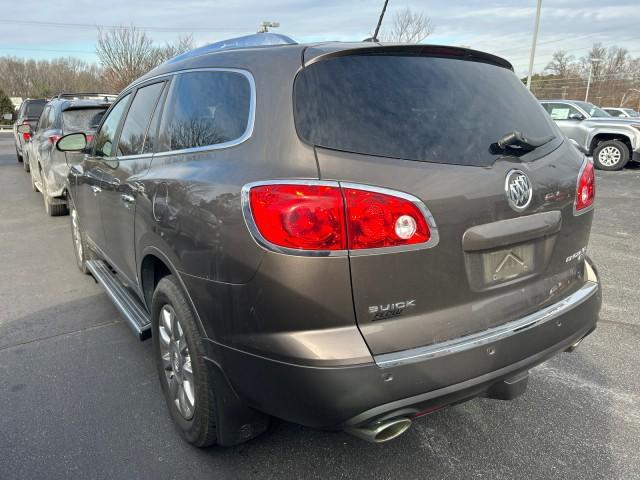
621,112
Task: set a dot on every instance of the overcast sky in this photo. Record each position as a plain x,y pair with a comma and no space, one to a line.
503,27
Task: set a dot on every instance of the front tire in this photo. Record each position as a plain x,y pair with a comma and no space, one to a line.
611,155
187,382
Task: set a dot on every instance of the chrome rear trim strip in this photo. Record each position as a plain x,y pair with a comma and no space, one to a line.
468,342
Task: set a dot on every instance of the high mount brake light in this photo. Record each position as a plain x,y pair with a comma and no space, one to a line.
326,216
586,188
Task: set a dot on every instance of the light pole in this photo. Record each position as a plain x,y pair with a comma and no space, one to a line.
264,26
593,60
533,43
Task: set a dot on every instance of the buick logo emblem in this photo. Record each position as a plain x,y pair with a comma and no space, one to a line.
518,189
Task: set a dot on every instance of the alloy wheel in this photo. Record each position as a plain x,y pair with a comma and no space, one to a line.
176,361
609,156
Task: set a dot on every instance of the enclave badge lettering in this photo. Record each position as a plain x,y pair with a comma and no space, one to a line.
381,312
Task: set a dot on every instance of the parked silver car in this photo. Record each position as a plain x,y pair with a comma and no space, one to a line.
612,141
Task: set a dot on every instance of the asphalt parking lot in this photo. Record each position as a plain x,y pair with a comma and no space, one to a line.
79,396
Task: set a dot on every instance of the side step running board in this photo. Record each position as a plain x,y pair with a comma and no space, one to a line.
133,312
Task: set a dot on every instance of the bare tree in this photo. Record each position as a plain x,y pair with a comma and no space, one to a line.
408,27
561,64
127,53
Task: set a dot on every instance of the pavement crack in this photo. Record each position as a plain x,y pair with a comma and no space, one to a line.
72,332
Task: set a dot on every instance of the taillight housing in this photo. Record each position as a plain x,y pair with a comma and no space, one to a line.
329,218
26,136
585,189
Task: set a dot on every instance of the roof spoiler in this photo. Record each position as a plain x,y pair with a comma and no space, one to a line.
108,97
427,50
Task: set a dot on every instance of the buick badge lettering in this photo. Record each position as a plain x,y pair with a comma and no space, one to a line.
517,187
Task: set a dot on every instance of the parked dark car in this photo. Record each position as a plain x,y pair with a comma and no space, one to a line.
28,114
316,232
67,113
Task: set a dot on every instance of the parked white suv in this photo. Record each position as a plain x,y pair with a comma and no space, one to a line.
621,112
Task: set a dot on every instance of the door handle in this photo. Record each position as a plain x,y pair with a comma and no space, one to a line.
95,189
127,198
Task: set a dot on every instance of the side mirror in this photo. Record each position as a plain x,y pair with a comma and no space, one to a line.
74,142
24,128
576,116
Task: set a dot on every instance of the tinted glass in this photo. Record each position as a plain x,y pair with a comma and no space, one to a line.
44,120
416,108
135,125
151,140
614,113
34,109
205,108
82,120
104,138
592,110
631,113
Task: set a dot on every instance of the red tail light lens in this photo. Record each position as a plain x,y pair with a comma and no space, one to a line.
54,138
328,217
26,136
586,190
377,220
308,217
89,138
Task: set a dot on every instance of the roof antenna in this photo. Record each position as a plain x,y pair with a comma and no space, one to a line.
375,34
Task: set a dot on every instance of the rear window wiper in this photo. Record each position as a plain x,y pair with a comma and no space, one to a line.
517,142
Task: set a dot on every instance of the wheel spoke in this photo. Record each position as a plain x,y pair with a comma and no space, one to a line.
166,361
166,320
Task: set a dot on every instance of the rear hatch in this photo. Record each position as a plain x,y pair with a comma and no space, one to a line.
81,118
424,123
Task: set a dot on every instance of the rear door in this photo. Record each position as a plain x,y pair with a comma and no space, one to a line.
427,126
120,181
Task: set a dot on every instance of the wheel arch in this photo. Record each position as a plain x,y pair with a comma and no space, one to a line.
604,136
153,267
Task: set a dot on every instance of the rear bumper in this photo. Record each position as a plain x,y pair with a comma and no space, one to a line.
337,397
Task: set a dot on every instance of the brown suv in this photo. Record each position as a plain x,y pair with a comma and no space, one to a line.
345,236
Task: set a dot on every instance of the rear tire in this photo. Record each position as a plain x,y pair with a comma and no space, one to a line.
20,158
52,209
187,382
80,246
611,155
25,163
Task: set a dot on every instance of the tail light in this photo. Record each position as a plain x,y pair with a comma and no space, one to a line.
586,189
327,216
54,138
26,136
89,138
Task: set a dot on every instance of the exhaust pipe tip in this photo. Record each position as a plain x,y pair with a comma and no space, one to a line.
381,432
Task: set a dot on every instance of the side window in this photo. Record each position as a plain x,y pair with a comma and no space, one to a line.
51,122
205,108
135,125
152,133
561,111
44,119
107,133
614,113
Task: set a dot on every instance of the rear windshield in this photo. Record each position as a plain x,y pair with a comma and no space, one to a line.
416,108
34,109
82,120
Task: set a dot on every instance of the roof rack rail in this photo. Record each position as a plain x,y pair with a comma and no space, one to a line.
81,95
248,41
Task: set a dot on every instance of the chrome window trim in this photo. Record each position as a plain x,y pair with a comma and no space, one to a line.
468,342
255,232
577,213
218,146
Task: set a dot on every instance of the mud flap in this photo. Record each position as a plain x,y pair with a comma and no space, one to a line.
235,421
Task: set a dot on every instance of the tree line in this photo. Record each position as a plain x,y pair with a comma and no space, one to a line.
615,77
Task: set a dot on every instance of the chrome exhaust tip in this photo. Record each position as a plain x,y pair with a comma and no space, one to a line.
380,432
572,348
